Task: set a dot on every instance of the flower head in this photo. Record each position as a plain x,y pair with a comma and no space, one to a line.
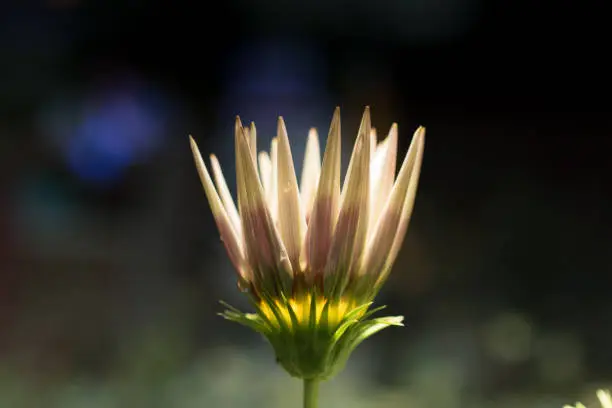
312,256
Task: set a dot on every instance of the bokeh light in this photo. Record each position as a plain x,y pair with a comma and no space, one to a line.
103,132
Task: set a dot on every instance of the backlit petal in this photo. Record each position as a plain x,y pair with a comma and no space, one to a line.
386,240
291,220
226,196
351,229
326,204
265,173
252,139
265,250
228,235
373,142
311,171
274,194
252,146
382,175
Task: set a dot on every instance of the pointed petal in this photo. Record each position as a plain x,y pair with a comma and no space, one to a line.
373,142
326,204
265,173
228,235
274,193
386,240
351,229
291,220
382,175
252,138
265,251
367,136
226,196
406,213
408,204
391,162
311,171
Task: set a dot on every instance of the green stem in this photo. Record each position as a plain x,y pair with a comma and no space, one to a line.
311,391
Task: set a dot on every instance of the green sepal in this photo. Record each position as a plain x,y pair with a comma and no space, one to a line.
355,336
311,349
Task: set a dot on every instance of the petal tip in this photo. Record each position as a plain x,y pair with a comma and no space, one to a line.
367,114
238,123
365,126
194,145
336,116
420,134
393,132
281,129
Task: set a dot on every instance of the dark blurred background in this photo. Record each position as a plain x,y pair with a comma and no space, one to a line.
110,262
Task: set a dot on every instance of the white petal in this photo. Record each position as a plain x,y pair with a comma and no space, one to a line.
382,174
226,197
251,136
326,205
311,171
228,235
385,242
274,194
265,250
265,173
351,229
409,202
373,142
291,220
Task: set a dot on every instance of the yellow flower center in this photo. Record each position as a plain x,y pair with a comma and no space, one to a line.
279,314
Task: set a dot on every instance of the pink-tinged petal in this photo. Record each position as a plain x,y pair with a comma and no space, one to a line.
326,204
228,235
265,250
367,135
311,170
373,142
291,220
265,173
351,229
382,175
386,240
391,162
226,196
251,133
406,212
274,193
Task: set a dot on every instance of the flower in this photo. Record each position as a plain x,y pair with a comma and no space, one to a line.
312,257
604,399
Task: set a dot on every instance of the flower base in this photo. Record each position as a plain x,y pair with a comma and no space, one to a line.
314,343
